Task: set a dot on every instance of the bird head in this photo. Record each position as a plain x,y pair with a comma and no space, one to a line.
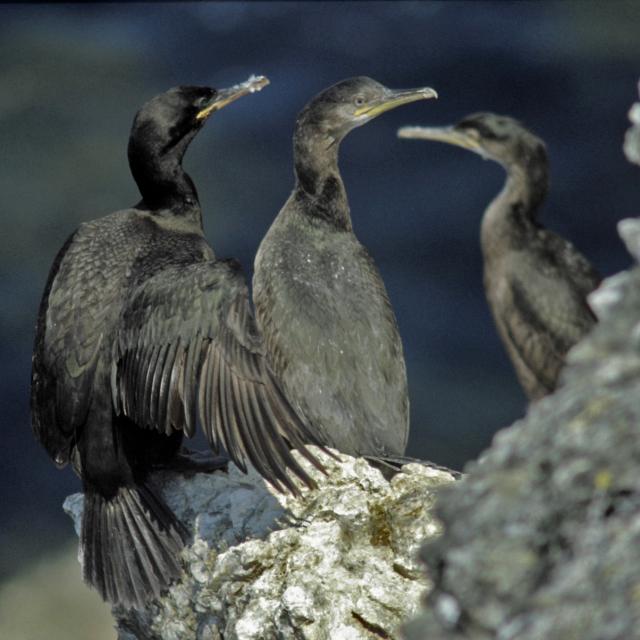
354,102
166,124
499,138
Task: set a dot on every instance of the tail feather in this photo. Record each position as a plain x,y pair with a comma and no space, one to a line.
153,544
90,540
126,557
104,551
138,555
131,545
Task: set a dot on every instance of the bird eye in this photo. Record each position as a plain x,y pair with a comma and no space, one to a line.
359,101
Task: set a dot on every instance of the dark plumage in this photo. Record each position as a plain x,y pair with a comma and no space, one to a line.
535,281
330,331
142,332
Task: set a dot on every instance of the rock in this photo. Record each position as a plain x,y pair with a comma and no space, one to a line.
338,562
632,137
542,537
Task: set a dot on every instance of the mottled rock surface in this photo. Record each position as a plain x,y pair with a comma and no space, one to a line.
337,563
632,138
542,538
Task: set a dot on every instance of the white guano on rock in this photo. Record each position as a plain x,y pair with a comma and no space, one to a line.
339,562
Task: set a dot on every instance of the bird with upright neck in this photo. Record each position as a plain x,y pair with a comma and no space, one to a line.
330,330
536,282
142,333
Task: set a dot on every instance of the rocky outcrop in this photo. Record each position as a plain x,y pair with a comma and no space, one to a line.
339,562
632,137
542,538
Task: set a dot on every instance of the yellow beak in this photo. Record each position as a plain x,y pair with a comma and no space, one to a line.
227,96
449,135
395,99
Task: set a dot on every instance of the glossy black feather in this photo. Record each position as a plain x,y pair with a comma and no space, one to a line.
59,402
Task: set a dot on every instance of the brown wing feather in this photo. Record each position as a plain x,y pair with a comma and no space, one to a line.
540,331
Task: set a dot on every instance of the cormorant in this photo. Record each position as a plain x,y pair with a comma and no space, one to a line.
536,282
141,333
321,305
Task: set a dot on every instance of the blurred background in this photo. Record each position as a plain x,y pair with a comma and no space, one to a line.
71,79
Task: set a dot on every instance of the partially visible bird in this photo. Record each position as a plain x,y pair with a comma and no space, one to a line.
141,334
536,282
330,331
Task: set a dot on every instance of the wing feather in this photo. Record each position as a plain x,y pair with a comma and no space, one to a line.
189,351
254,424
155,385
542,321
188,397
206,409
164,390
141,380
69,336
175,414
223,401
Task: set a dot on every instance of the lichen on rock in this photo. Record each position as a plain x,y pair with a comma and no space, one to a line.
338,562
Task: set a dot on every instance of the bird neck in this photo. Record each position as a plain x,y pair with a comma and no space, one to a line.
511,217
164,185
319,187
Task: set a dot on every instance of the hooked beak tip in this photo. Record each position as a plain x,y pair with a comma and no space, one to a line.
227,96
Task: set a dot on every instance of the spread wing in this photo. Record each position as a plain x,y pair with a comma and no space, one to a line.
188,350
68,338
